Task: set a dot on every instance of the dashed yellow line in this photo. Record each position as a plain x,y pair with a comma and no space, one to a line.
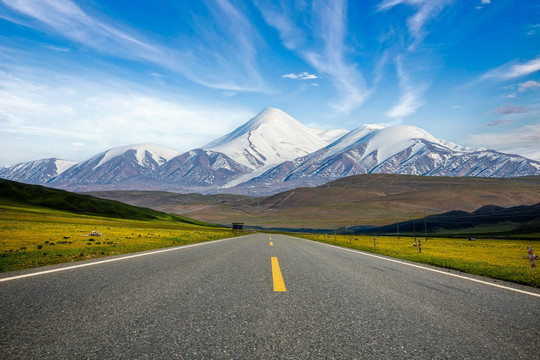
271,243
279,284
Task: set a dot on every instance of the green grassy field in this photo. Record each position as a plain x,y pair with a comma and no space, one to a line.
499,259
34,236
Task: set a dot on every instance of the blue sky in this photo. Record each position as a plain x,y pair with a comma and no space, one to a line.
80,77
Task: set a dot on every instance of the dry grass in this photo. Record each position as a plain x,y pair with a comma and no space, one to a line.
373,199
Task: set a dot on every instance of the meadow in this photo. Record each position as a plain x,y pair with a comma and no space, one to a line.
34,236
495,258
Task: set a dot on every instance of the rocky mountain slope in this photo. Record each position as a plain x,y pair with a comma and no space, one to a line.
394,150
270,138
36,172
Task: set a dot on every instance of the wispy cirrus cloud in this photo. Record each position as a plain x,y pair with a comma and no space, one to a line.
108,113
411,95
483,3
229,52
327,23
67,19
229,43
425,11
533,29
512,70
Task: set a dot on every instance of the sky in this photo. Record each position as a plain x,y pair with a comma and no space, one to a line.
81,77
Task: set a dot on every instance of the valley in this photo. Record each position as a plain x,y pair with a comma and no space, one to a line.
369,200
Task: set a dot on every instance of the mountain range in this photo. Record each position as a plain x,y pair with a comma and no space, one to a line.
272,152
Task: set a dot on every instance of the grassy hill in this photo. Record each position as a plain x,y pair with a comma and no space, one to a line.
373,200
41,226
493,221
23,195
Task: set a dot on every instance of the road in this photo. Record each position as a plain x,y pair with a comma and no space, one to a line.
217,301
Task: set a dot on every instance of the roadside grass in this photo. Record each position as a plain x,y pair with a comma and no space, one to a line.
495,258
34,236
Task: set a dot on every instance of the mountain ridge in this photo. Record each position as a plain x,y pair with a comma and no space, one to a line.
270,153
269,138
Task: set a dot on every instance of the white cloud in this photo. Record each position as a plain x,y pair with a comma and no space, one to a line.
483,2
426,10
69,20
327,23
533,29
301,76
411,96
513,71
57,111
291,76
523,141
529,85
228,45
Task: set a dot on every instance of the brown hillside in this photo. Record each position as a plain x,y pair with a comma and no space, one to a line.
374,199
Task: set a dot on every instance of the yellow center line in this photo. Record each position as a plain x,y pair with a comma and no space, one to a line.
279,284
271,243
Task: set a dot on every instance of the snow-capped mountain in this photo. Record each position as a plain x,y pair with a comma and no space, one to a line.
394,150
268,139
331,135
199,169
270,153
126,164
36,172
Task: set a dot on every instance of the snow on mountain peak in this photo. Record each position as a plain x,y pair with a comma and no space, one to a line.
269,138
392,140
272,115
63,165
351,139
331,135
159,154
387,141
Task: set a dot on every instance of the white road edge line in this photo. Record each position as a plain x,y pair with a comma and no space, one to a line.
113,260
429,269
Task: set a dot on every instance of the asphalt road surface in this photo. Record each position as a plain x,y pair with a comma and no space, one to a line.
218,300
